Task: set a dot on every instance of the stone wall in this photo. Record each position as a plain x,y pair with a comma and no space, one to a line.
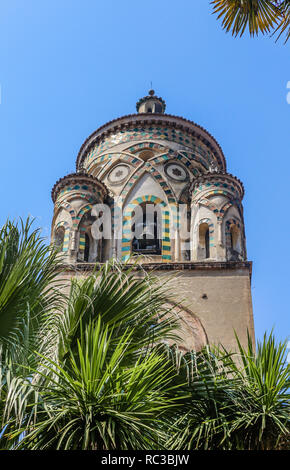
215,299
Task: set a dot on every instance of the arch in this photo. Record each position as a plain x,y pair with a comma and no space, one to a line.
77,191
191,330
207,191
65,239
147,146
59,238
85,244
147,167
81,213
233,235
144,227
191,155
203,241
66,206
110,158
212,207
220,213
127,227
88,248
205,238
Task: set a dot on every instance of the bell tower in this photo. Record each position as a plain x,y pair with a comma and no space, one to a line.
195,228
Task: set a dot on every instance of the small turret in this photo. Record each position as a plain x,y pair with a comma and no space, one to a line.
151,104
74,197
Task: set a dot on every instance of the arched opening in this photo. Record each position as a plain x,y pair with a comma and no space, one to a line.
158,108
147,228
235,238
89,245
59,238
234,241
207,243
203,242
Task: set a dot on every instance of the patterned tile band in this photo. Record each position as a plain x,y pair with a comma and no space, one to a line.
150,133
188,158
127,226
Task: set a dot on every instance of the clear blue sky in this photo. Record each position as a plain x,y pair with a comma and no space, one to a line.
69,66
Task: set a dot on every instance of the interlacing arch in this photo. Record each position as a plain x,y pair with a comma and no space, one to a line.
110,158
147,167
119,158
127,227
127,154
191,155
227,191
66,206
175,156
212,207
69,208
81,213
147,146
220,213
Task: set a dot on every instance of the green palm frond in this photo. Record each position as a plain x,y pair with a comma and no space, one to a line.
28,286
263,400
94,402
96,372
123,300
236,401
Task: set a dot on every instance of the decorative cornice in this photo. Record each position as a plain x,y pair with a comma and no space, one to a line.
77,178
171,266
168,120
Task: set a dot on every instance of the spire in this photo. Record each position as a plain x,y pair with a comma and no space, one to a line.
151,104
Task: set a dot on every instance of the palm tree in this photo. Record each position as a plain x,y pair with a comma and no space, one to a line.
263,16
237,401
27,268
90,373
262,403
93,369
29,290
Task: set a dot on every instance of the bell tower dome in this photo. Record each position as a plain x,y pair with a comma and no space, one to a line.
151,104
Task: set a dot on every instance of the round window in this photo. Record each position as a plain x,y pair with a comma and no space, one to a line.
176,172
118,174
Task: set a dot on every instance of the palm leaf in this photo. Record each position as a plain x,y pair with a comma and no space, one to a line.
261,16
97,403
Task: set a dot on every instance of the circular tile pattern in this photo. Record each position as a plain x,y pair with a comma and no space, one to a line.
176,172
118,174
